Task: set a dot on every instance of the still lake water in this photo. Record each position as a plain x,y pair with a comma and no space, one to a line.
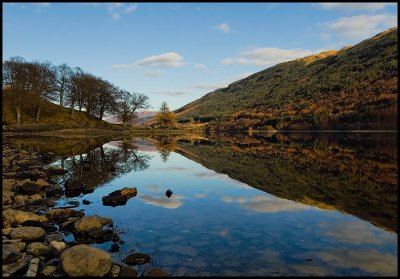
246,205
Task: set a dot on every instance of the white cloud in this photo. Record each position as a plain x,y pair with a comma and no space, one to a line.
169,59
117,9
165,60
171,94
267,56
355,6
224,27
361,26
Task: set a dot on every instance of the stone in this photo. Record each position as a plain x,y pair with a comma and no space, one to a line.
13,217
55,236
61,214
57,246
33,187
6,231
39,249
114,200
128,271
46,227
115,270
9,254
7,197
86,202
83,260
101,236
15,245
137,259
54,190
114,247
35,174
27,199
10,269
90,223
33,268
48,270
155,272
130,192
28,233
168,193
69,222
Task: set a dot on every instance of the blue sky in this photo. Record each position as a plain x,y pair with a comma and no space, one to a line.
177,52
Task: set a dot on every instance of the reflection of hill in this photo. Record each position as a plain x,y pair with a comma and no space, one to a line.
354,173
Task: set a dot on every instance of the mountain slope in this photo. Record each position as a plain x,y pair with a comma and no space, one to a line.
355,87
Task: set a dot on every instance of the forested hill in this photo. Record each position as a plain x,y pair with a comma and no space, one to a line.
353,88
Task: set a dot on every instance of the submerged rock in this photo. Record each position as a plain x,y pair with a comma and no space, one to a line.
83,260
137,259
90,223
155,272
61,214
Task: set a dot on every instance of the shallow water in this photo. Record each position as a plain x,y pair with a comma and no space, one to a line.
262,205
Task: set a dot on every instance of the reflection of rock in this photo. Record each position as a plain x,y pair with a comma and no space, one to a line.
168,193
56,170
90,223
119,197
33,187
137,259
83,260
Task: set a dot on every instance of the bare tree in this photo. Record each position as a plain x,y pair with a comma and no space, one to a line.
63,80
129,104
15,76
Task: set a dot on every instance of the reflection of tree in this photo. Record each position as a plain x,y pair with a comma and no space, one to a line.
102,164
165,144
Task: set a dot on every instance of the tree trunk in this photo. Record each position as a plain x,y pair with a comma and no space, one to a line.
18,110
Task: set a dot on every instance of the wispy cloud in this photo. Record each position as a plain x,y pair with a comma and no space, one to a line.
200,66
165,60
224,27
355,6
267,56
119,9
360,26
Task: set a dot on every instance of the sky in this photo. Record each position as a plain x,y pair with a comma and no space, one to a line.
178,52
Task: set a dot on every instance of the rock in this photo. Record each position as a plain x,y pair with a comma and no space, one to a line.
56,170
129,192
114,200
15,245
90,223
32,187
100,236
48,157
74,184
6,231
86,202
168,193
115,270
28,233
137,258
8,197
33,268
27,199
56,237
74,203
127,271
38,249
35,174
46,227
54,190
9,254
83,260
155,272
48,270
69,222
114,247
60,215
57,246
10,269
13,217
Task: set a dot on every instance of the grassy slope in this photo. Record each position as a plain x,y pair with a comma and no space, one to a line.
51,115
355,87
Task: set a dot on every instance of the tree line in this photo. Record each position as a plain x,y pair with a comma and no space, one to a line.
35,82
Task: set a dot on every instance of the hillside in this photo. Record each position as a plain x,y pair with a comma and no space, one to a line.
353,88
52,117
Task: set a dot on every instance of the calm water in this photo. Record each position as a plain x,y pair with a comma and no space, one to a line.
262,205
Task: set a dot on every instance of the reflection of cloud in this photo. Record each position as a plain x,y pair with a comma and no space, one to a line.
223,232
170,203
267,204
172,169
200,195
153,188
310,269
220,176
359,233
368,260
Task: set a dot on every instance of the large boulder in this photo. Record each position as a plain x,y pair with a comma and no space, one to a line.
129,192
90,223
62,214
28,233
119,197
83,260
12,217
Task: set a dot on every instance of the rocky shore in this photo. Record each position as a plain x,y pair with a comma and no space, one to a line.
34,241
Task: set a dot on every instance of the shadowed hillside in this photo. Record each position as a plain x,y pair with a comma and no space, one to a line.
353,88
